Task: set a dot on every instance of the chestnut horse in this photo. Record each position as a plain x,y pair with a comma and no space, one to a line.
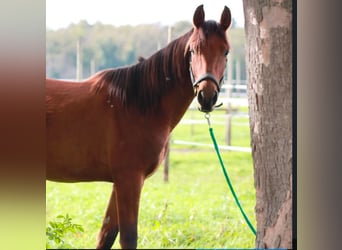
115,125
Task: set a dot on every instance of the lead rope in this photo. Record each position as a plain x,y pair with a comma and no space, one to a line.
207,116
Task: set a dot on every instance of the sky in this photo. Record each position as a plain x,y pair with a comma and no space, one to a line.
61,13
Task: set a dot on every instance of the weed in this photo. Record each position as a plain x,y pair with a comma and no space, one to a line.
57,230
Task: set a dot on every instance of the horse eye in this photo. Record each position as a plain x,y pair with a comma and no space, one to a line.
226,53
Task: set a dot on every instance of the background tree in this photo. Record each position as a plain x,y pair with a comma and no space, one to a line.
268,27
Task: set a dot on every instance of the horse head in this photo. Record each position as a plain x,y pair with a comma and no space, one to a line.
208,48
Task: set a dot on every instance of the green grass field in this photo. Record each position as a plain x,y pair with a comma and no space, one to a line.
195,209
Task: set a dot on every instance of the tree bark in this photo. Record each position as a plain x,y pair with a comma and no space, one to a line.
268,27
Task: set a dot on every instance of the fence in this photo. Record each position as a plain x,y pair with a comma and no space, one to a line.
228,110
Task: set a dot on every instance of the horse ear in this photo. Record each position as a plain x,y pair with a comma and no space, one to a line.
226,18
199,16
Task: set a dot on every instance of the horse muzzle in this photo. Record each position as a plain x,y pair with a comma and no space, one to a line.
206,97
206,102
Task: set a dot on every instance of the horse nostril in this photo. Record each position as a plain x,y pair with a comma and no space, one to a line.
215,97
200,96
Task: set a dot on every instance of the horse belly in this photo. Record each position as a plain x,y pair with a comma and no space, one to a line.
66,167
76,155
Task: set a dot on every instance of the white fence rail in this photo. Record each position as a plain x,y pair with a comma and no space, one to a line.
230,148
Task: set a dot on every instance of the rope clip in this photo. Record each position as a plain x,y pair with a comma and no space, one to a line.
207,116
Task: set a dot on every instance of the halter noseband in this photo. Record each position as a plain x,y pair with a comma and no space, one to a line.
206,76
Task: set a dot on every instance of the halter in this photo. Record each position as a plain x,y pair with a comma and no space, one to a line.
205,76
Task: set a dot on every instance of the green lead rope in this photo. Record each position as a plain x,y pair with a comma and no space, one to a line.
227,177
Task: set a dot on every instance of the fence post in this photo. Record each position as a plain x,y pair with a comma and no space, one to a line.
79,65
166,161
229,90
238,74
92,67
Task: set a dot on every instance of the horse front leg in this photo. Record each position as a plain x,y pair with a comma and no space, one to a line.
110,225
128,191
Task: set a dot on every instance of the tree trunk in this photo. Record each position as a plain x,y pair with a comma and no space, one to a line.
268,27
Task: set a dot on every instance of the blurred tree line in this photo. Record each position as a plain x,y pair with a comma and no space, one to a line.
107,46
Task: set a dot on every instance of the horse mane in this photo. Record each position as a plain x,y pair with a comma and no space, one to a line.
145,83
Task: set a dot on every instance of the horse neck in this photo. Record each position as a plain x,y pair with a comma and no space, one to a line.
178,99
177,102
159,86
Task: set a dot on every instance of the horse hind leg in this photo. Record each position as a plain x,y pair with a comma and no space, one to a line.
110,225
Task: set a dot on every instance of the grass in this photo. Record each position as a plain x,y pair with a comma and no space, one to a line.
199,132
195,209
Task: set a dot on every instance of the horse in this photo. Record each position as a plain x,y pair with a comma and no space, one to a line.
115,125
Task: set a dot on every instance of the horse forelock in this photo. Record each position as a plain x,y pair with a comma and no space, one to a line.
143,84
199,36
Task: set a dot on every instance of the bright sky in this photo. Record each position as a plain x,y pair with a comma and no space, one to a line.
60,13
